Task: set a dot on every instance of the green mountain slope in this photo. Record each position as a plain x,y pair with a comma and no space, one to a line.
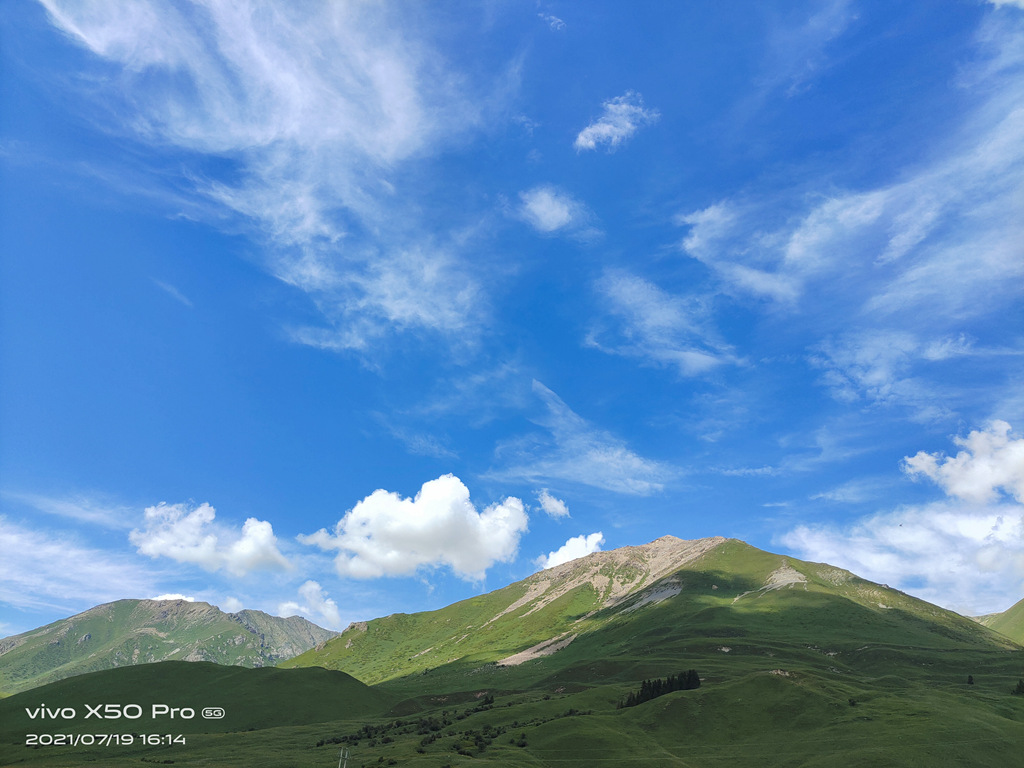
1010,622
802,665
705,588
130,632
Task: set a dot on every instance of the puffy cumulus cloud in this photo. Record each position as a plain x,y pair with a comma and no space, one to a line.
316,605
174,596
620,119
965,552
657,327
387,535
189,535
965,558
992,460
231,605
553,507
576,547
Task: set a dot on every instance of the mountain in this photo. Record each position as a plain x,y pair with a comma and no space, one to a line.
800,665
128,632
713,587
1010,622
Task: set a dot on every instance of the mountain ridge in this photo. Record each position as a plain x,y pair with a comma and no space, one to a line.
713,581
1010,622
128,632
801,665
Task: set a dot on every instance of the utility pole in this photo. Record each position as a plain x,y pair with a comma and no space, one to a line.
343,756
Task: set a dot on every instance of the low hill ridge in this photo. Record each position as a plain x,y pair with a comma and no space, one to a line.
1010,622
129,632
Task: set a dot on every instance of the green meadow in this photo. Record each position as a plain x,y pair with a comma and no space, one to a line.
801,664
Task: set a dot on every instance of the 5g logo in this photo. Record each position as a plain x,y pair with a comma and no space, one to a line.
213,713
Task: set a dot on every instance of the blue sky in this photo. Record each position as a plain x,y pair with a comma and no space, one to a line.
346,309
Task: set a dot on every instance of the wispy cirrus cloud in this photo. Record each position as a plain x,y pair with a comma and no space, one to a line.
899,368
576,451
554,23
943,236
81,508
58,570
173,292
316,108
657,327
797,53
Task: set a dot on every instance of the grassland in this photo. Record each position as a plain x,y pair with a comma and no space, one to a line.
801,665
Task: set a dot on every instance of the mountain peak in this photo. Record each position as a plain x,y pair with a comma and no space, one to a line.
615,573
129,632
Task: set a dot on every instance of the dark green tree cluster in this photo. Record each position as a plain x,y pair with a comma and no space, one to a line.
1019,690
652,689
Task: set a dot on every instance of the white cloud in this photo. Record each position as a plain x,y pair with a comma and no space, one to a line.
552,506
549,209
316,605
1011,3
55,570
231,605
418,444
82,508
553,22
188,535
965,558
579,453
877,366
993,460
174,596
387,535
317,107
622,117
966,553
797,54
578,546
934,244
658,327
173,292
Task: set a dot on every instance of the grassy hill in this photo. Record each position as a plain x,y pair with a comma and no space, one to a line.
130,632
801,665
1010,622
714,588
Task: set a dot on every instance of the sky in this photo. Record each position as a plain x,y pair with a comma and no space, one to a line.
343,309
